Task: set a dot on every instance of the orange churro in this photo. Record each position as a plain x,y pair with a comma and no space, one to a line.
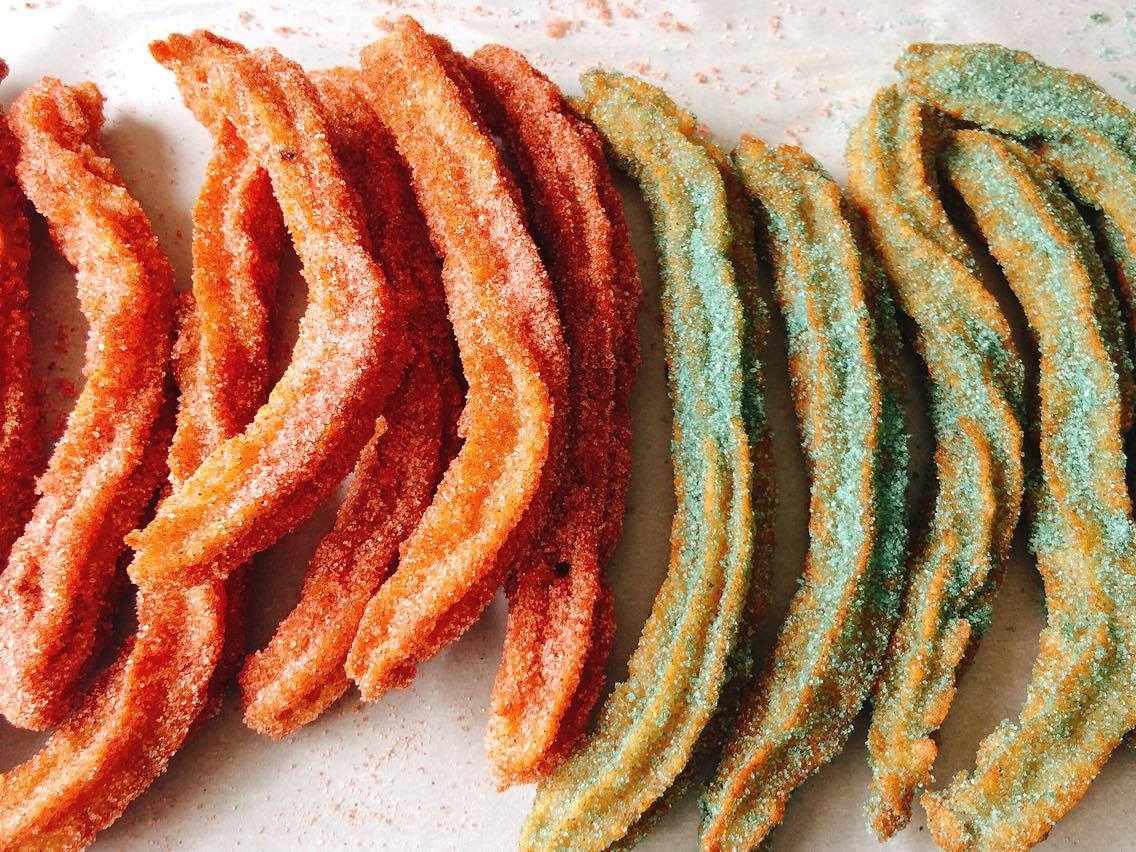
349,355
55,593
221,360
19,409
508,334
555,609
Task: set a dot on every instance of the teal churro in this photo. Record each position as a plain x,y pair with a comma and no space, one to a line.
739,668
976,389
653,721
1082,696
843,345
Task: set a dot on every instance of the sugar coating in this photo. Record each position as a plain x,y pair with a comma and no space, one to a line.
301,671
1086,135
1082,695
20,453
57,590
560,623
651,724
512,351
977,409
259,484
849,401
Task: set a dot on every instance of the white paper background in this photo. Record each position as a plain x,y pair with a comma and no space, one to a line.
409,771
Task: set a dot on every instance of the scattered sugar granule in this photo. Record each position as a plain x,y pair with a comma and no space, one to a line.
668,23
600,9
558,28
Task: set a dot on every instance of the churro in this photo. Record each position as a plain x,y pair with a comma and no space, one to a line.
741,662
556,617
221,359
799,713
651,724
55,595
20,452
259,484
1082,694
511,348
976,390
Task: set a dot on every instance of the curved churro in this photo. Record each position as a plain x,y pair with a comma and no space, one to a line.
122,735
300,672
551,362
578,714
259,484
741,661
556,616
221,360
650,725
55,593
505,320
1088,136
800,712
1082,695
977,403
20,451
625,342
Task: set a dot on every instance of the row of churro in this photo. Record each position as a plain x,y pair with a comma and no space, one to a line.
467,358
1079,703
868,620
519,481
